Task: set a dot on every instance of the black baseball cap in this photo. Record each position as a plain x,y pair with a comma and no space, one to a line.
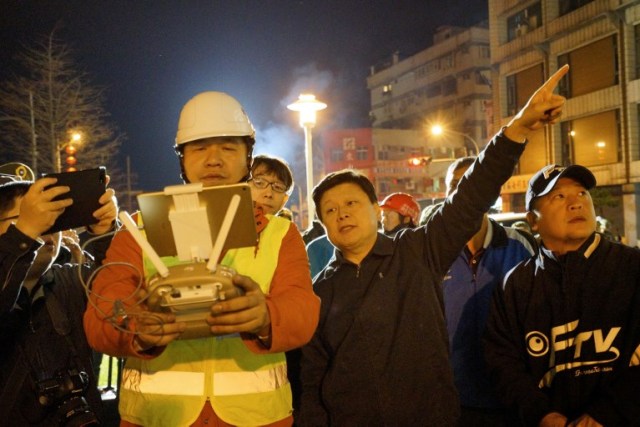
545,179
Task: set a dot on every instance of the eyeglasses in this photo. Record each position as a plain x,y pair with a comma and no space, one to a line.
9,218
261,184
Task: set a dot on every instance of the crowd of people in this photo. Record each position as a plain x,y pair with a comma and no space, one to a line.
375,316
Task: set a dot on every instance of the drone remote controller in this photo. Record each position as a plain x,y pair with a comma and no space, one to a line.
189,291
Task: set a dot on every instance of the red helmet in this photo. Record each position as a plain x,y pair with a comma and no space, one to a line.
404,204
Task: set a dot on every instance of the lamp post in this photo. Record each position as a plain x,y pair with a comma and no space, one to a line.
307,106
438,130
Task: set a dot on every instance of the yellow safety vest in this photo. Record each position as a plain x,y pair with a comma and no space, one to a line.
245,389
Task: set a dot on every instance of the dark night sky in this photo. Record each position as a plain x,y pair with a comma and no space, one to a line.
153,55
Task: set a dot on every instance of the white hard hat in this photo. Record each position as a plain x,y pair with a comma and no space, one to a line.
211,114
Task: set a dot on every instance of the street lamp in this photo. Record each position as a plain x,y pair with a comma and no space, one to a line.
307,106
70,147
438,130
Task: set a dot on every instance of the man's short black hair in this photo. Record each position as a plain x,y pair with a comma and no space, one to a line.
9,192
276,166
462,162
342,177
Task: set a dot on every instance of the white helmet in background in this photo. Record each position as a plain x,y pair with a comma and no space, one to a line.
211,114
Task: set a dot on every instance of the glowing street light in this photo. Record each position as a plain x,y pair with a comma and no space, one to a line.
70,147
439,130
419,161
308,106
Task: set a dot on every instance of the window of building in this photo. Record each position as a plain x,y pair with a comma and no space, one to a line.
361,152
384,188
434,90
636,31
383,155
483,78
523,21
567,6
337,155
432,66
484,52
446,62
534,157
588,75
592,140
521,85
449,86
415,151
635,152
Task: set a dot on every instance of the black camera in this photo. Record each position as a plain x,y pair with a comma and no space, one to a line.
64,394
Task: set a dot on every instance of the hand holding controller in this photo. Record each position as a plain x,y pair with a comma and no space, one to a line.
188,292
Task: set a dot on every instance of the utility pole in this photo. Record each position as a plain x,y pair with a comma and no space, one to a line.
129,192
34,143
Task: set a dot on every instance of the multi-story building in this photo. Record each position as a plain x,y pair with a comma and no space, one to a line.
383,156
600,40
446,84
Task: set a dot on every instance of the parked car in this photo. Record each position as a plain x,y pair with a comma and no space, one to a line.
508,218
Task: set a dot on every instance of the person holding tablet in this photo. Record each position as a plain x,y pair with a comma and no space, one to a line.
46,373
238,376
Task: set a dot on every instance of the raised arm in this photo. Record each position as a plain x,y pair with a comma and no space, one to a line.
460,216
543,108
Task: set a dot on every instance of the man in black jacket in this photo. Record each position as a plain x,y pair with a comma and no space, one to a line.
380,353
563,338
46,373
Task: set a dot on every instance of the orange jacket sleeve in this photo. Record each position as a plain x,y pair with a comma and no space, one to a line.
116,285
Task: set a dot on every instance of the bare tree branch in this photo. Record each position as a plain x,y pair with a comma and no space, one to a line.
64,101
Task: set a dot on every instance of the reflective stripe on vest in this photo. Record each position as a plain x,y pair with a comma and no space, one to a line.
164,382
244,388
192,383
238,383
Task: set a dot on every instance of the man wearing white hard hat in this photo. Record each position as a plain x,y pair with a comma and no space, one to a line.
237,377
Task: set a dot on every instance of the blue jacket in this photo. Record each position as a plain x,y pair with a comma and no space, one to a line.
467,300
320,252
